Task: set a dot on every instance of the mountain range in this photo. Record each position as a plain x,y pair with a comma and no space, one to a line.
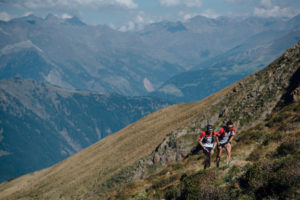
41,125
222,70
74,55
157,157
64,84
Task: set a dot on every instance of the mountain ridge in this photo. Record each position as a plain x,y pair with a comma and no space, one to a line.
42,124
98,58
227,68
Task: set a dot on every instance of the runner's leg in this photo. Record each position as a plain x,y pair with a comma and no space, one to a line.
228,149
219,153
211,152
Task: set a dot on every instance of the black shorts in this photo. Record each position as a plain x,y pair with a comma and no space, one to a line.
222,145
208,148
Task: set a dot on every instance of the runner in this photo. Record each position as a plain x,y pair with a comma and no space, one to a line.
207,141
224,138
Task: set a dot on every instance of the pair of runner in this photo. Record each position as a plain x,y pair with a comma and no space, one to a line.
209,139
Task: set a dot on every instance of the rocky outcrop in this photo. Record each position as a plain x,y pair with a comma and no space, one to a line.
296,94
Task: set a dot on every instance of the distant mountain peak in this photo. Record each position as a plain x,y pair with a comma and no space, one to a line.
75,21
51,16
53,19
174,26
31,19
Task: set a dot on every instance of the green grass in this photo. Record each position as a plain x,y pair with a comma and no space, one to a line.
270,179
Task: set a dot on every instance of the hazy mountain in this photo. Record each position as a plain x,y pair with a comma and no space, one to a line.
220,71
41,124
156,157
198,39
71,54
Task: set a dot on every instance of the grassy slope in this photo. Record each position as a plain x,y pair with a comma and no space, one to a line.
78,175
265,161
265,164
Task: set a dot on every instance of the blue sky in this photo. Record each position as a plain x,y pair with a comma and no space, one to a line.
134,14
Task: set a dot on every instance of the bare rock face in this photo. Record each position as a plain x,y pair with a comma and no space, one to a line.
296,94
171,149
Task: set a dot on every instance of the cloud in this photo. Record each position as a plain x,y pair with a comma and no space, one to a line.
210,14
169,3
266,3
193,3
27,14
206,13
188,16
186,3
267,9
72,4
129,27
4,16
233,1
275,11
66,16
138,23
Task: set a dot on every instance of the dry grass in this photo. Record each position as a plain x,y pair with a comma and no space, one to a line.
157,183
79,175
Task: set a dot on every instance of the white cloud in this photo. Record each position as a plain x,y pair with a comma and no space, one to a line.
140,19
66,16
206,13
275,11
193,3
267,9
266,3
27,14
232,1
138,23
4,16
112,26
168,3
188,16
186,3
210,14
73,4
129,27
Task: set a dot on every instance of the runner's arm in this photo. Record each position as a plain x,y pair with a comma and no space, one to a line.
215,144
201,144
217,140
231,138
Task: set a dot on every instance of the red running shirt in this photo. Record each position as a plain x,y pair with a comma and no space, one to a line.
207,140
224,135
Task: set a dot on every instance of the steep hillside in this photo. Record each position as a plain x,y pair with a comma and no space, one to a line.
167,139
265,165
41,125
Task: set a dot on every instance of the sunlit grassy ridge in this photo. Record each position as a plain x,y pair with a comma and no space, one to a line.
78,176
265,164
